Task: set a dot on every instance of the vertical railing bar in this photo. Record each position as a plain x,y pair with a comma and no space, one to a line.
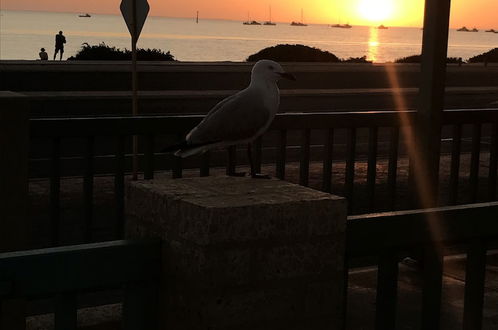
232,160
55,185
387,288
119,185
350,163
258,151
493,163
393,166
431,291
140,310
177,163
281,154
372,166
327,160
65,312
455,163
475,271
149,157
305,158
474,161
88,187
204,168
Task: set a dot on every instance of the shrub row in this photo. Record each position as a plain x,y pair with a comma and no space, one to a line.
279,53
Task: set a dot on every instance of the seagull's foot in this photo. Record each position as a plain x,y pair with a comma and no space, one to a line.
260,176
237,174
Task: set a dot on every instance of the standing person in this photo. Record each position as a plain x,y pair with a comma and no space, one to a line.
43,54
60,40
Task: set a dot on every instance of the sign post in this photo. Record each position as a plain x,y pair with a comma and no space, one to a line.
134,13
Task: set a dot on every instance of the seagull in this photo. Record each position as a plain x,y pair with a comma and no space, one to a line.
239,118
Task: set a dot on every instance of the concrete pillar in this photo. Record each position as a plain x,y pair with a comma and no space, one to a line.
243,253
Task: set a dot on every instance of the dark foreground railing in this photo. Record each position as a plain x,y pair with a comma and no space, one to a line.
92,146
426,233
63,273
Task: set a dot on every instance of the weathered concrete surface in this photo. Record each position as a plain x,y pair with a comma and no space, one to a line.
242,253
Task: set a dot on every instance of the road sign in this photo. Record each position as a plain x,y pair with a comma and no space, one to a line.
142,9
134,13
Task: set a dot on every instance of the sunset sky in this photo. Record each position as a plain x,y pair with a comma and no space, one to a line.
476,13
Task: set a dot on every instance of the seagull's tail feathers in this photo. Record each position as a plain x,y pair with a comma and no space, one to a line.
175,147
184,149
190,151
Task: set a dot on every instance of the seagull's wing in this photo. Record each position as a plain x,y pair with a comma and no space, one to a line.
239,117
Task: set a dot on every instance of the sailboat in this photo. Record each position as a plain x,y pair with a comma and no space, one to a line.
269,22
299,23
249,22
341,26
85,15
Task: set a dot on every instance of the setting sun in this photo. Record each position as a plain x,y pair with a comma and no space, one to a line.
376,10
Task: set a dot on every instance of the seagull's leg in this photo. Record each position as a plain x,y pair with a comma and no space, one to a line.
254,175
249,156
238,174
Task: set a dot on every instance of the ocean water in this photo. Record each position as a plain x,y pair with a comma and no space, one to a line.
23,33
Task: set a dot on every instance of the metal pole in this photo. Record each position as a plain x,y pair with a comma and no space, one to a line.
134,85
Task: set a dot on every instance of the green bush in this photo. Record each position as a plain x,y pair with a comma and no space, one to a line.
362,59
491,56
300,53
293,53
417,59
103,52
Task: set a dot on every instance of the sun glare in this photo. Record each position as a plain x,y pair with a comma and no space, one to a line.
376,11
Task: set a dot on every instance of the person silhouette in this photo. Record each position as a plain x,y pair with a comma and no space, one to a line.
60,40
43,54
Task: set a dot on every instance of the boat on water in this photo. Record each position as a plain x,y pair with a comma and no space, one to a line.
492,30
299,23
464,29
382,27
251,23
269,22
341,26
85,15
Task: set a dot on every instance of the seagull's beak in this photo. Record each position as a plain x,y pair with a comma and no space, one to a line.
286,75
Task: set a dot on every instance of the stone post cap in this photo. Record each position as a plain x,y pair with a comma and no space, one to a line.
221,209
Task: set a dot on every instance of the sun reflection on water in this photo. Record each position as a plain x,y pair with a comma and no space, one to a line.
373,44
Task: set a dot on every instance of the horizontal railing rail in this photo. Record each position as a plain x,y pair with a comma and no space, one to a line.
388,236
336,140
114,126
64,272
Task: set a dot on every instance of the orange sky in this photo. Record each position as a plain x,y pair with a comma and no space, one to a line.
478,13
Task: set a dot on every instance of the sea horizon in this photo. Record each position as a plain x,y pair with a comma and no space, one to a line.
24,32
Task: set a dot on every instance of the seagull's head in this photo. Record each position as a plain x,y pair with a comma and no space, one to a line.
270,71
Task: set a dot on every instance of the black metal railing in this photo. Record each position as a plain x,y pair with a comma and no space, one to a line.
293,139
388,237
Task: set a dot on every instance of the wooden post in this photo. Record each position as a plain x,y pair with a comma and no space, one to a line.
431,97
14,145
